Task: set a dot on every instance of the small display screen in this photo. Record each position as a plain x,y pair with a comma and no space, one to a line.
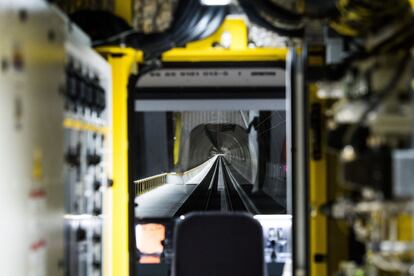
150,239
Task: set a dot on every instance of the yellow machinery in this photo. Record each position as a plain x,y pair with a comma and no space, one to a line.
123,62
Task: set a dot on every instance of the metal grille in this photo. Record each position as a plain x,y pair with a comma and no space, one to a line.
147,184
152,16
261,37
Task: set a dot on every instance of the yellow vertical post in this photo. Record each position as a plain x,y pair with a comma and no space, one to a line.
318,188
123,8
412,4
121,69
122,61
177,138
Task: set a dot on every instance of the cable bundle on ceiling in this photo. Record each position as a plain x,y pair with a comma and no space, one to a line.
192,21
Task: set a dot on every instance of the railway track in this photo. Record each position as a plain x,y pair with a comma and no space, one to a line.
218,191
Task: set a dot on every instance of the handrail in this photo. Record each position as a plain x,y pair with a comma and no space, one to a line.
147,184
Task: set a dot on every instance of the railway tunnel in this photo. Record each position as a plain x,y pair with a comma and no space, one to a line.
216,159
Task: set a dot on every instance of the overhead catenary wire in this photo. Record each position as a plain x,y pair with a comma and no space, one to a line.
270,128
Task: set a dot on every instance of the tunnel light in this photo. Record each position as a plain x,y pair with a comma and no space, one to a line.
215,2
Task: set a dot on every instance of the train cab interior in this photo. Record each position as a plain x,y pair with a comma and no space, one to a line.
207,137
221,150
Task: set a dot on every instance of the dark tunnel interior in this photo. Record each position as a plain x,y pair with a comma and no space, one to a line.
229,140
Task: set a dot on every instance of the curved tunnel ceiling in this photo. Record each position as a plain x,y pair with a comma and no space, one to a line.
230,140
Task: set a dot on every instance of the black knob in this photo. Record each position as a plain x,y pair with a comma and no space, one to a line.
97,211
96,265
97,185
96,238
72,157
80,234
93,159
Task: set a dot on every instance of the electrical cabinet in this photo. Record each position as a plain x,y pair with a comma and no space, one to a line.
87,164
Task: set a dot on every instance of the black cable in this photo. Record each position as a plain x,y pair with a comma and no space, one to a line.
184,9
155,45
193,21
278,12
278,19
215,22
192,13
254,15
330,13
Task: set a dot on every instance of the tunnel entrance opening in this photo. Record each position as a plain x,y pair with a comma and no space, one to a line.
228,140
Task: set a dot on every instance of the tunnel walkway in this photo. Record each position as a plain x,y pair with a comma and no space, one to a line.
165,200
218,187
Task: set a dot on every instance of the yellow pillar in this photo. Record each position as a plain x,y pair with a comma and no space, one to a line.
177,138
318,194
122,61
123,8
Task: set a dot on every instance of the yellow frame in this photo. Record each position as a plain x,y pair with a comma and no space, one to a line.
317,198
124,8
238,51
124,62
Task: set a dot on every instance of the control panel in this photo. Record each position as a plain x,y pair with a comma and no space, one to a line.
86,136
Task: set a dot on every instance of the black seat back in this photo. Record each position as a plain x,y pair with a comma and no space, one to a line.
218,244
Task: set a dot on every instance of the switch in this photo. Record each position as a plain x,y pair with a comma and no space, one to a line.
93,159
80,234
72,157
97,185
89,97
97,238
96,265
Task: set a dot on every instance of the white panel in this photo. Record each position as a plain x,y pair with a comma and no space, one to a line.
31,207
209,105
214,77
